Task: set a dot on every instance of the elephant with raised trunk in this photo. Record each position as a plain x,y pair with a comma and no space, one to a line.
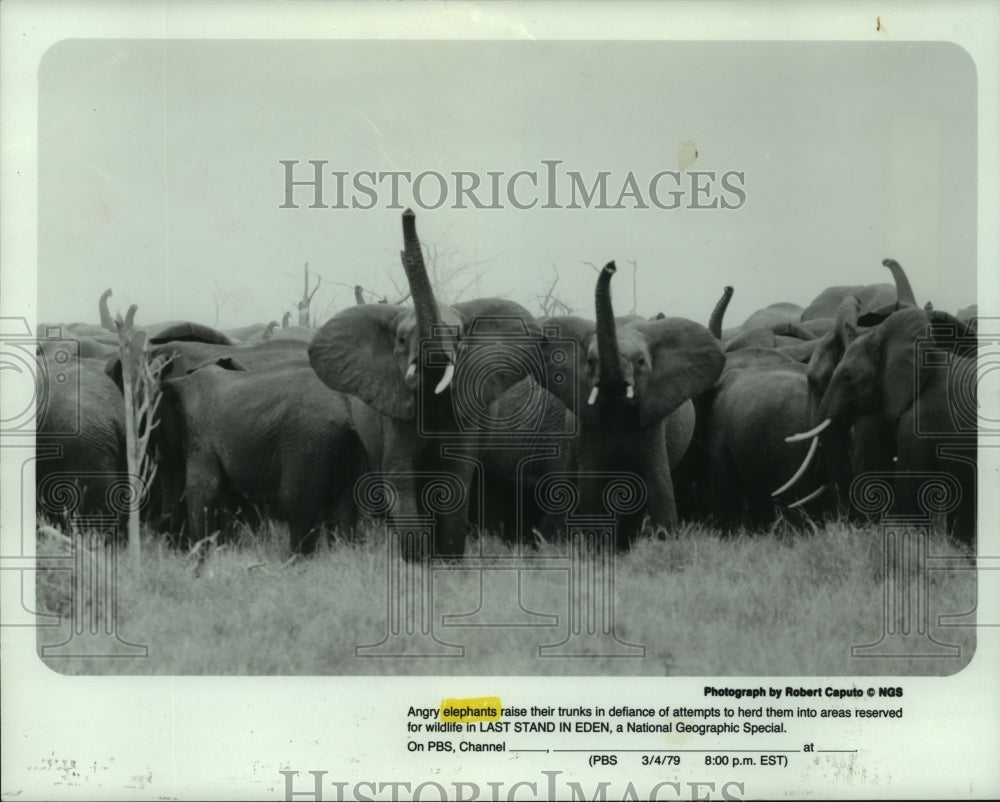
916,372
404,368
738,454
638,380
862,443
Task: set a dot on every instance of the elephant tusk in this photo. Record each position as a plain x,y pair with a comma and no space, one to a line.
629,391
446,379
593,396
795,438
815,494
800,471
411,371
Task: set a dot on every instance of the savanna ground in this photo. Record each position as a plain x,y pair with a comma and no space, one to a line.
783,602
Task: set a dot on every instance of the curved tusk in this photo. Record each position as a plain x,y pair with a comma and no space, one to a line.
411,371
800,471
593,396
815,494
795,438
629,391
446,379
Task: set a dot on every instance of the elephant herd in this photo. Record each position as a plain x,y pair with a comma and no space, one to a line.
448,418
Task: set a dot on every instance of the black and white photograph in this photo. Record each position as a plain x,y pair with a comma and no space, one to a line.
497,401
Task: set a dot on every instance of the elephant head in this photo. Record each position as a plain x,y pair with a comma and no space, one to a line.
852,318
881,371
385,354
644,369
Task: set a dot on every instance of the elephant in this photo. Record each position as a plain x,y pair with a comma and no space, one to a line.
775,314
80,437
871,297
103,340
635,377
761,399
419,378
187,356
864,443
738,454
277,440
775,326
917,371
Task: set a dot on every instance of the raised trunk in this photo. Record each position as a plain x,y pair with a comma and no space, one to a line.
285,318
359,295
904,292
424,303
608,354
715,321
130,317
106,321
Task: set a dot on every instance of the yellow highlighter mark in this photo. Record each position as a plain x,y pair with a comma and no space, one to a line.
480,708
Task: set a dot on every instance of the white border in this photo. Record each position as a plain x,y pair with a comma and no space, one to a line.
226,737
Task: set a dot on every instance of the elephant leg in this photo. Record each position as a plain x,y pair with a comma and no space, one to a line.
724,490
761,511
451,528
202,490
660,501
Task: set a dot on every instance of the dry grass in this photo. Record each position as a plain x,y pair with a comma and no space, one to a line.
779,603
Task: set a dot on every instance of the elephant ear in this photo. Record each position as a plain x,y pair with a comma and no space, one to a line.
565,341
353,353
687,361
951,333
495,334
896,343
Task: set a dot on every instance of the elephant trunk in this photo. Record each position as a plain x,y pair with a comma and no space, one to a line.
904,292
106,320
285,318
359,295
608,354
424,303
130,316
715,321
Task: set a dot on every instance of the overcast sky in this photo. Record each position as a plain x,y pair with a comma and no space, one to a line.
160,172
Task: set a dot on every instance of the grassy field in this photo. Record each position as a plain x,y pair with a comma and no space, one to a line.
777,603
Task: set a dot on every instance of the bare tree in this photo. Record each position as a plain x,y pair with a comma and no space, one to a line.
221,298
548,302
307,296
141,391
